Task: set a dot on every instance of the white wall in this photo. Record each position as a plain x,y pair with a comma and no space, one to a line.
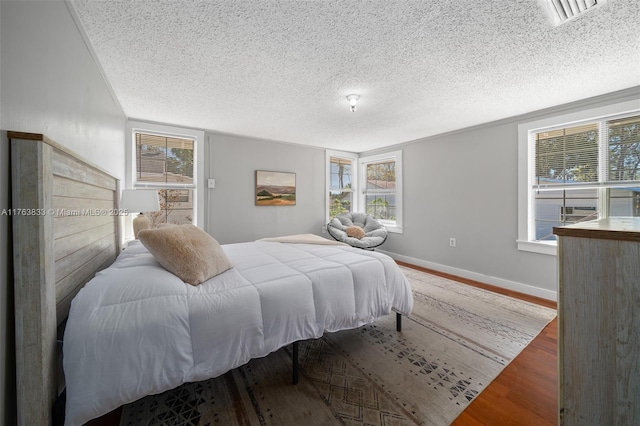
464,185
50,84
232,215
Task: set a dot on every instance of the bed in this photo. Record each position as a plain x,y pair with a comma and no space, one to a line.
60,239
136,329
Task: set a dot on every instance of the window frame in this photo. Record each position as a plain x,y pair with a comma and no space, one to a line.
143,184
354,179
197,136
392,226
526,166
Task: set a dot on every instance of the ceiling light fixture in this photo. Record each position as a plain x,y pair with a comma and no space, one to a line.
352,101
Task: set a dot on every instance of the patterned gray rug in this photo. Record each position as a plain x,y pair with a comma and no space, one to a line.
458,339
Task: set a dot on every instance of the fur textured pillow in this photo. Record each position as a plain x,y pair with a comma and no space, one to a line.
186,251
355,232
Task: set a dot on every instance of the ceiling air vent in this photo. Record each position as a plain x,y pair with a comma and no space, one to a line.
565,10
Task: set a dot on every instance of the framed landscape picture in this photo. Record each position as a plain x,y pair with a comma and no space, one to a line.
275,188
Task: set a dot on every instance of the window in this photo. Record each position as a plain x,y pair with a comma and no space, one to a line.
584,170
342,183
166,163
381,183
371,184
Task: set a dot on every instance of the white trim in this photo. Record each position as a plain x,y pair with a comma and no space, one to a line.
526,166
394,155
586,185
390,227
486,279
145,185
327,176
198,160
542,247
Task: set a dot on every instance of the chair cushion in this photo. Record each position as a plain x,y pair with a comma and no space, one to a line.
374,232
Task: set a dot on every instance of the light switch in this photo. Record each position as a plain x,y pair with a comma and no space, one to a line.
211,183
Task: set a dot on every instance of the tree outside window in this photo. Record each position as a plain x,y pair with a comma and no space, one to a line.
586,172
380,189
340,185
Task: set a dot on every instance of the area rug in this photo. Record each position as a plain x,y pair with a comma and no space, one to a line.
457,340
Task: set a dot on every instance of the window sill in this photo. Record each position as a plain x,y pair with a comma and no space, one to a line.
394,229
542,247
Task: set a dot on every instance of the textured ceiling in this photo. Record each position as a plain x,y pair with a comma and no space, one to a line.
281,70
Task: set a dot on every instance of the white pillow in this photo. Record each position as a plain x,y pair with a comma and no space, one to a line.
186,251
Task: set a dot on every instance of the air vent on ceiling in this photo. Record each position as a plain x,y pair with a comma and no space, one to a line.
566,10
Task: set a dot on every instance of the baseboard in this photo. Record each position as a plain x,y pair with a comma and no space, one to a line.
486,279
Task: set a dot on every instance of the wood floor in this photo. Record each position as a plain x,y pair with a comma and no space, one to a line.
525,393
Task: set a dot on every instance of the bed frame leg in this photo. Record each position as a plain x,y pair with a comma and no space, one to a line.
295,363
398,321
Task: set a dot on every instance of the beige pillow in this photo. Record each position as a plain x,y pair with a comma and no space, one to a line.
167,225
186,251
355,232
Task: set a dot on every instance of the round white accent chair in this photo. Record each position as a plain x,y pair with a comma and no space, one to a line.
374,232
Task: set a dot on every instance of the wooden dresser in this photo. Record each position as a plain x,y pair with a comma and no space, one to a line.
599,322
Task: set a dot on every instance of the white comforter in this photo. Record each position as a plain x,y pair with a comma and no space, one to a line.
136,329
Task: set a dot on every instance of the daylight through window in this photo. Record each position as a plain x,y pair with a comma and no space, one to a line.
341,185
166,163
381,188
585,172
380,191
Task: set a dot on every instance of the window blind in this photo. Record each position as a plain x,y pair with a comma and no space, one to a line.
163,161
567,156
597,154
624,149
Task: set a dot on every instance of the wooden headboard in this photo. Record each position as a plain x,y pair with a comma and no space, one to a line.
65,228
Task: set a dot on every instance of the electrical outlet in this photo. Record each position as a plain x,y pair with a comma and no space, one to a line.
324,229
452,242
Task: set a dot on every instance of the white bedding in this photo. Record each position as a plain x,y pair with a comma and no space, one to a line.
136,329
